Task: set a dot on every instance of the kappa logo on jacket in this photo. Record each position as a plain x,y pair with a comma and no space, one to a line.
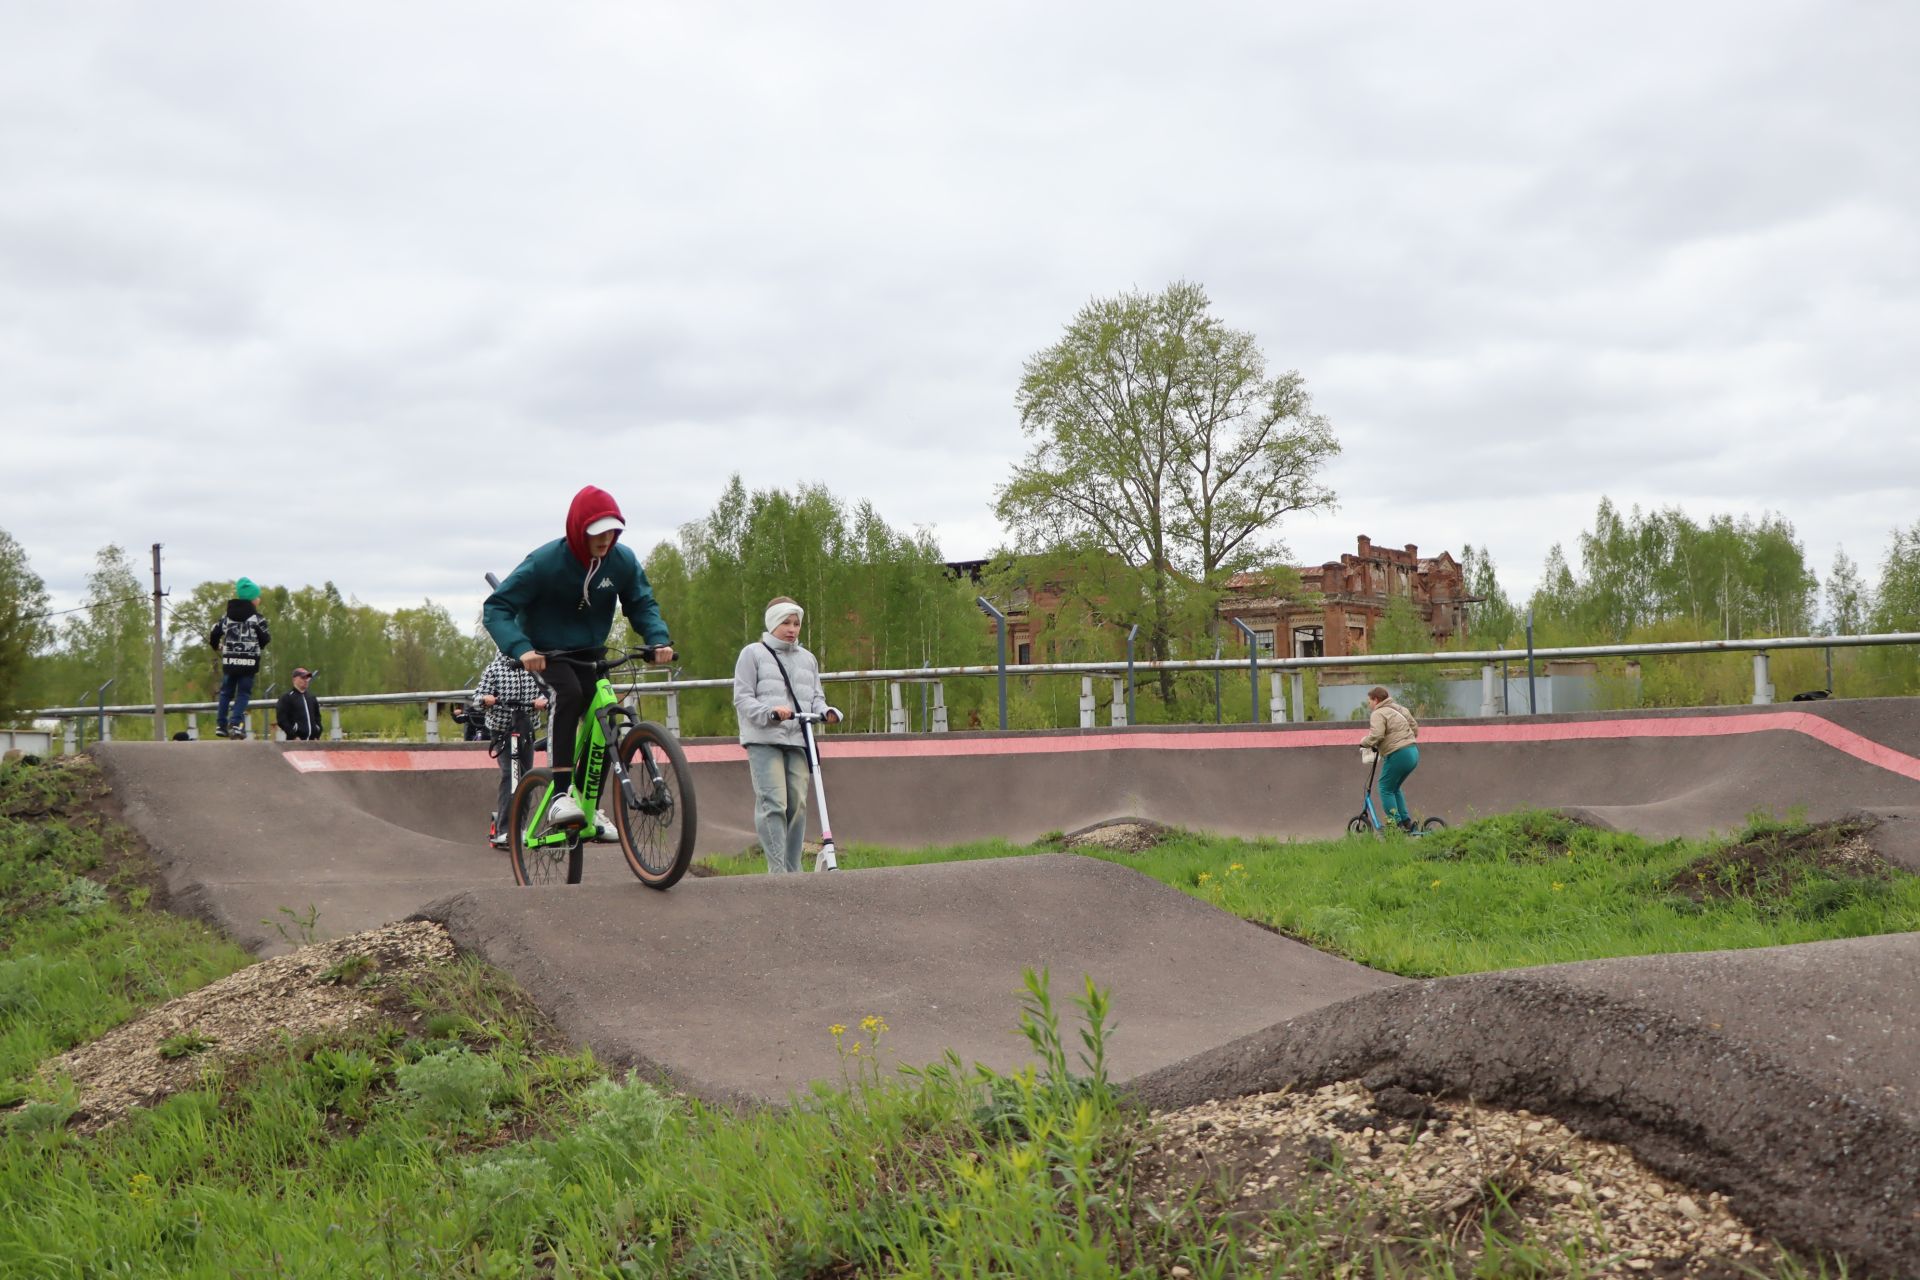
604,582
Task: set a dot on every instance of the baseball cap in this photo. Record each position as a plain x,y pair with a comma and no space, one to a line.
604,524
301,671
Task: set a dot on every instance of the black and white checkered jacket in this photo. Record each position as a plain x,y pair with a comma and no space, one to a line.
508,681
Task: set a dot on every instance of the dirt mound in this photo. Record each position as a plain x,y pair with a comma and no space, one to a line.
317,988
1123,835
1774,862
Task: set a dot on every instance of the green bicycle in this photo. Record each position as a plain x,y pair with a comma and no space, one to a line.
652,789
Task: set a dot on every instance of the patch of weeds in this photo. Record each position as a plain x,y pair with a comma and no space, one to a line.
451,1091
81,896
296,928
350,971
40,1116
447,1025
184,1045
343,1078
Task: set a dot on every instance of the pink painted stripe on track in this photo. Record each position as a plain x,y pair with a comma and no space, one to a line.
404,759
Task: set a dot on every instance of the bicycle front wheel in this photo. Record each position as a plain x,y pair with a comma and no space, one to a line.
542,863
656,821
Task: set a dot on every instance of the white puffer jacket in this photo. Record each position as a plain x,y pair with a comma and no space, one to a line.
758,689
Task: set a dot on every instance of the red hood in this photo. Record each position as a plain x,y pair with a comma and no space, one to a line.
588,505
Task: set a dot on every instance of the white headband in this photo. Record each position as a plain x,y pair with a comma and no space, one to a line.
776,612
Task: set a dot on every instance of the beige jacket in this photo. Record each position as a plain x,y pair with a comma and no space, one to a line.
1392,727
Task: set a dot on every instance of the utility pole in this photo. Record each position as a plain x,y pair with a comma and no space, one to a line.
159,655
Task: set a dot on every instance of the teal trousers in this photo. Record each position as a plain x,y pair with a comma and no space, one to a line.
1393,775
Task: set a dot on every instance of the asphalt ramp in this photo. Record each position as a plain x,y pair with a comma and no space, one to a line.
727,986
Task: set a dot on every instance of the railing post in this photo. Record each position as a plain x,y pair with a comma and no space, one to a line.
1219,716
193,725
1086,702
100,695
1277,702
1119,709
336,733
72,735
1533,705
433,721
1486,690
1132,631
896,709
939,706
1762,685
673,713
1299,697
1253,669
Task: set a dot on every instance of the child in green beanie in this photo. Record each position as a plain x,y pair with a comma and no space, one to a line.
239,638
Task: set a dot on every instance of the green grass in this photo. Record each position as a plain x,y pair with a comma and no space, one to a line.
1499,893
456,1141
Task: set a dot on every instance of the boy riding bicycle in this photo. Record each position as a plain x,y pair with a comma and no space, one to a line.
562,599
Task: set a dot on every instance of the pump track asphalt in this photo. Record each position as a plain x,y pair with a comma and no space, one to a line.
1787,1077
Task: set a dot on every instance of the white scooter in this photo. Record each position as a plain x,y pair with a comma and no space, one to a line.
828,860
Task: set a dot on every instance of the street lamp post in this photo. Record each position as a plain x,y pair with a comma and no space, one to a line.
1000,619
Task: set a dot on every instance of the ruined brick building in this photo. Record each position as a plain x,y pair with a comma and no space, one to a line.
1347,598
1335,613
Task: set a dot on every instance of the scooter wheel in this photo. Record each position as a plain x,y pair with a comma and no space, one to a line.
1359,826
1433,824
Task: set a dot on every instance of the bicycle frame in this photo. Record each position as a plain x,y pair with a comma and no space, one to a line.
591,745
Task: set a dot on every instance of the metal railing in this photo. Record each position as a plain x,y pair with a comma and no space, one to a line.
1283,705
1280,707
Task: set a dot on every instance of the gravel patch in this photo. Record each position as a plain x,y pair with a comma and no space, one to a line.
1438,1170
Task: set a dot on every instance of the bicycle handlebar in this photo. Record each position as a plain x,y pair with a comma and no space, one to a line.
601,667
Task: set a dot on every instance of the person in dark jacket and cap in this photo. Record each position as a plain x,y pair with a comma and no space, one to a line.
240,638
561,599
298,711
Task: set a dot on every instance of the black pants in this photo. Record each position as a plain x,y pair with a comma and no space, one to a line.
572,689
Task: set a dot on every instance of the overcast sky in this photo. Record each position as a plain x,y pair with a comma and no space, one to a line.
364,292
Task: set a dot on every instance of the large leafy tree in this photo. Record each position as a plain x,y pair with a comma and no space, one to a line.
24,628
1162,441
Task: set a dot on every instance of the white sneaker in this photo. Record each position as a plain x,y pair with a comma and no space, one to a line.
603,829
565,811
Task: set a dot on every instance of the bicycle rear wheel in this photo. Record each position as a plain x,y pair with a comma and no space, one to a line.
657,826
541,864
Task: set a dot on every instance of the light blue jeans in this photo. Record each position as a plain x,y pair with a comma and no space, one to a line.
779,802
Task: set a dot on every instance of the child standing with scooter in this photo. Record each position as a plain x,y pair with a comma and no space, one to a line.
774,681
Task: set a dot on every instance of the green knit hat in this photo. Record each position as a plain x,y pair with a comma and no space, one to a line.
245,590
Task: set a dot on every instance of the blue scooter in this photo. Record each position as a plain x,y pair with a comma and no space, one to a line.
1368,819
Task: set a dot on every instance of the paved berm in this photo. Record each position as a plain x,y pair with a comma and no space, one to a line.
1789,1078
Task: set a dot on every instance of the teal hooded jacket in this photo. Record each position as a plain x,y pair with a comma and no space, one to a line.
560,598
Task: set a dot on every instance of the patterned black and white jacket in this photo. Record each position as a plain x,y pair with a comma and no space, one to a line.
508,681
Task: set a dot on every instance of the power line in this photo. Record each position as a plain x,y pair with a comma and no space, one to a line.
98,604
